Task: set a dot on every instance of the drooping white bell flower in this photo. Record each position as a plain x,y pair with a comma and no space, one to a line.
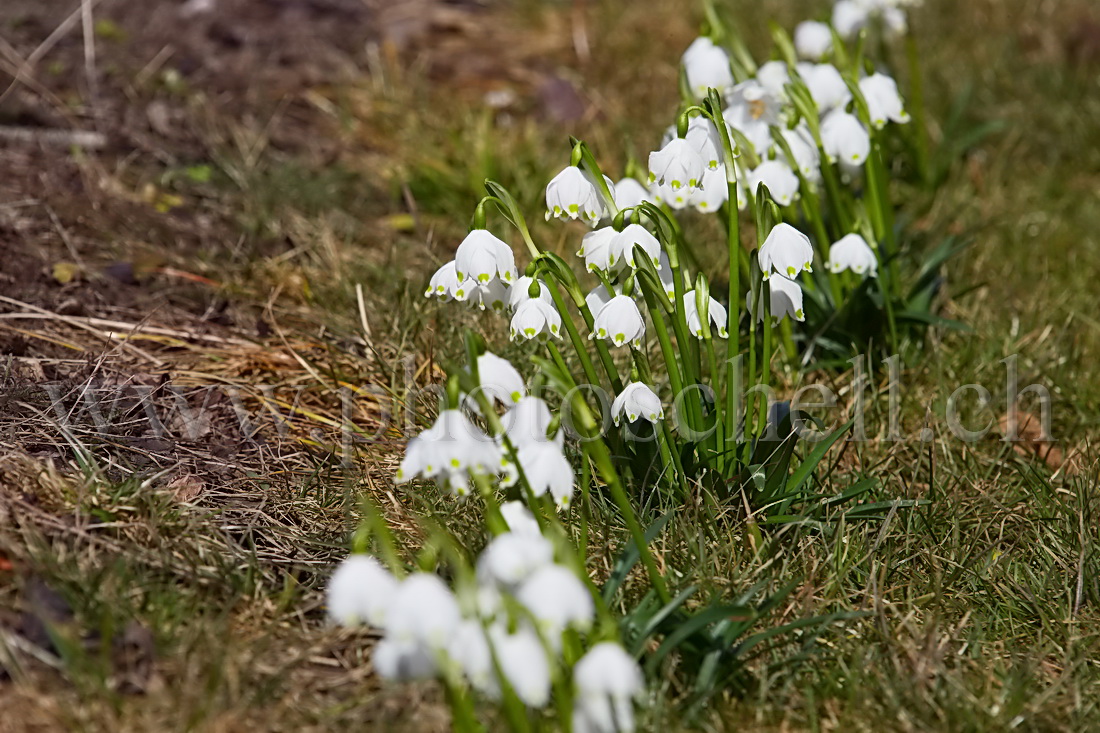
492,295
849,18
702,135
523,663
528,421
534,318
707,65
453,447
557,599
851,252
785,299
713,193
513,556
446,286
598,297
786,251
677,165
844,138
606,681
520,291
360,591
779,178
547,471
637,401
895,22
630,192
812,40
403,661
596,248
482,257
774,77
572,194
752,111
883,101
500,381
519,518
807,159
619,322
715,310
423,610
826,86
622,246
676,199
469,648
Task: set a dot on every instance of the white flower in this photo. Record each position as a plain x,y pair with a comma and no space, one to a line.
535,317
606,680
622,246
527,422
703,136
752,111
402,661
453,447
844,139
778,177
423,610
557,599
851,252
493,294
482,256
446,286
677,165
826,86
637,401
619,321
630,192
547,471
712,193
513,556
360,591
785,299
706,66
895,21
813,40
883,101
715,310
469,647
786,251
678,198
806,157
499,380
774,77
849,17
598,297
596,248
572,194
521,292
519,519
523,663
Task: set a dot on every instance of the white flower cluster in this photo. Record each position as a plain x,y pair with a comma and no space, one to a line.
852,16
454,449
689,171
507,628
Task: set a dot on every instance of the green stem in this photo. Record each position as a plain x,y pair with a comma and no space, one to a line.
602,458
916,104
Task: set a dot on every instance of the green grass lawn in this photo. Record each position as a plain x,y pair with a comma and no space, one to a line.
125,608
